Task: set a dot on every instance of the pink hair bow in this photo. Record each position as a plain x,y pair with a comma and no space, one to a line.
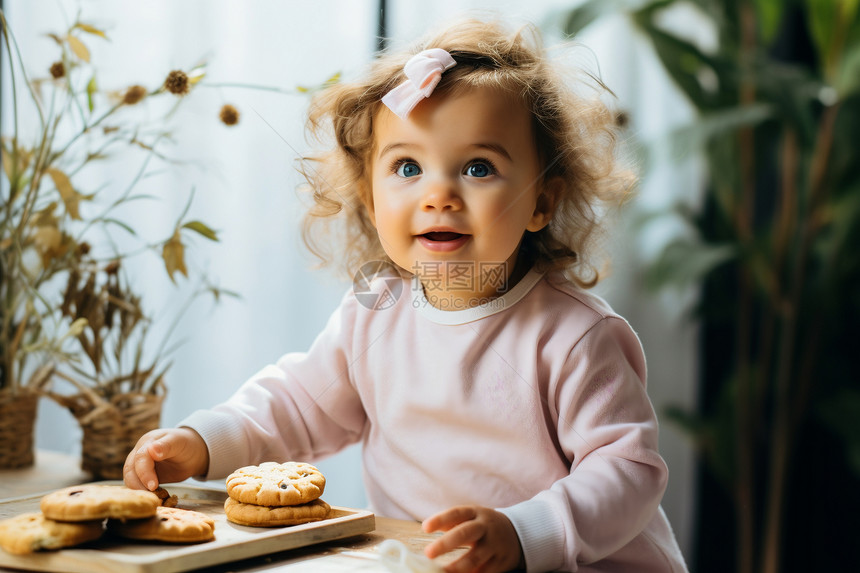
423,72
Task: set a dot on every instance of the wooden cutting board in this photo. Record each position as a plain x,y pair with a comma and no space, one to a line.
232,542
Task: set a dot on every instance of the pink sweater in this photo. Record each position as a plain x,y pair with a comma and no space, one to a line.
534,404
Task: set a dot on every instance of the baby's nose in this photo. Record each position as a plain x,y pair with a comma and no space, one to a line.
441,195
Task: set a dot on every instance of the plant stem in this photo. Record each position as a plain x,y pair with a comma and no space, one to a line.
744,483
250,86
787,417
782,234
138,176
56,155
6,37
744,443
40,164
782,429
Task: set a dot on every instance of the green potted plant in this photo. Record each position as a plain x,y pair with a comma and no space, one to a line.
774,249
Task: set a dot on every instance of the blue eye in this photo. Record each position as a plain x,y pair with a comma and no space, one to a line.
479,169
408,169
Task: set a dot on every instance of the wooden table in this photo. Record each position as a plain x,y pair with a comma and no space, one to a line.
55,470
52,470
353,554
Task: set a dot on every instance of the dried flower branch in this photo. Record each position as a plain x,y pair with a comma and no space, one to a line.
46,219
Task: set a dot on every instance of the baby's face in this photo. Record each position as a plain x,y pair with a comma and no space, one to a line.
454,188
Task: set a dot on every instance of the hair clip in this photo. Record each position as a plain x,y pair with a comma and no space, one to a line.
423,72
474,60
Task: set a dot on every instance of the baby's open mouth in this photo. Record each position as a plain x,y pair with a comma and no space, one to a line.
442,236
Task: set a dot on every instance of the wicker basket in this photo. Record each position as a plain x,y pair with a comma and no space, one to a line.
17,420
111,428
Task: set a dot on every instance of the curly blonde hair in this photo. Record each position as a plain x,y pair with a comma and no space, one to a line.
575,136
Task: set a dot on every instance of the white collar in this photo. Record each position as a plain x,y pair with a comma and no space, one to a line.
483,310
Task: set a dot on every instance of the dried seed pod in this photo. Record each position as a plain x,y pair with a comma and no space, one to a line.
114,296
96,314
71,291
112,267
58,70
229,115
133,95
85,298
177,82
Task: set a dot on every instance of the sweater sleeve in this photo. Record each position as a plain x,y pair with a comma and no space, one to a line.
304,407
608,430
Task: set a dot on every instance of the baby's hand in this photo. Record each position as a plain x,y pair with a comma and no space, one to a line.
490,534
165,455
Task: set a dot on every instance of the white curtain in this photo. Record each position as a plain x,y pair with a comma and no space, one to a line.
245,185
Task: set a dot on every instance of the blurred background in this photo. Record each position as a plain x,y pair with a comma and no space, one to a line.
736,262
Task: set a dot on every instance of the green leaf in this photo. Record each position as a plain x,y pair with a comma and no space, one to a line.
684,262
831,23
588,12
122,224
201,228
848,81
715,123
686,64
793,92
819,16
196,75
769,13
91,89
333,79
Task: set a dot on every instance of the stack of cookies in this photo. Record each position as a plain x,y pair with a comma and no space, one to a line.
275,494
78,514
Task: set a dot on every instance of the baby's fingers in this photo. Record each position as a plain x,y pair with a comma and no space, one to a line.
161,449
489,534
465,534
129,475
144,468
445,520
139,468
477,559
